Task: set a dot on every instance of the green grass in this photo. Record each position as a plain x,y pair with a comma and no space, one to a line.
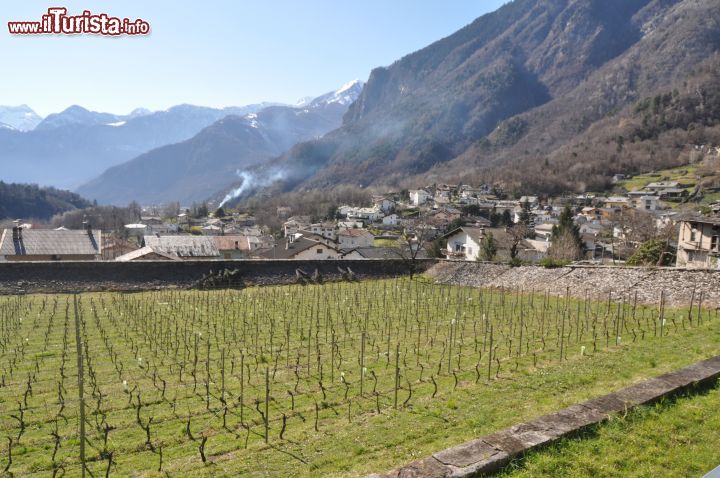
711,197
308,340
673,438
685,175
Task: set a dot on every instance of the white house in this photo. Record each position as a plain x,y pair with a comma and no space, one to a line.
324,229
384,204
419,197
543,231
646,203
391,220
370,214
349,225
352,238
464,243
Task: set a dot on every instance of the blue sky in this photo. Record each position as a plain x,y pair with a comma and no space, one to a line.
217,53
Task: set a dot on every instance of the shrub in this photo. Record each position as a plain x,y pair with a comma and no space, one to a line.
649,254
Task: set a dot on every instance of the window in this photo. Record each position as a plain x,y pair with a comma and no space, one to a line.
693,232
319,251
715,243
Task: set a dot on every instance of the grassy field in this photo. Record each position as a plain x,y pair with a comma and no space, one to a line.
332,380
674,438
684,175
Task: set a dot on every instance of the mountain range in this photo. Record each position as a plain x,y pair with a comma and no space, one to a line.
212,160
74,146
540,96
544,96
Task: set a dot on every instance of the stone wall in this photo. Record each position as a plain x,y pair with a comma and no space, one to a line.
597,282
67,276
489,454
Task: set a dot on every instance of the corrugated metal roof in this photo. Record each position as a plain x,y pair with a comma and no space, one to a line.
183,246
37,242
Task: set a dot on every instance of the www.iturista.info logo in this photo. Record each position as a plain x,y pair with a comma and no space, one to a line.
58,22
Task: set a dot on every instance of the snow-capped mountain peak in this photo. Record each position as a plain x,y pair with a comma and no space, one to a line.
345,95
349,85
21,118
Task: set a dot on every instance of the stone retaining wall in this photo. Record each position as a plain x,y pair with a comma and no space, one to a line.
490,453
597,282
30,277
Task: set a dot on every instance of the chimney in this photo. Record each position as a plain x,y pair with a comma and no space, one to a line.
17,230
88,228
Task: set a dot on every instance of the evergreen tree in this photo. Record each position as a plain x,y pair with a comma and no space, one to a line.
488,247
565,238
524,216
506,219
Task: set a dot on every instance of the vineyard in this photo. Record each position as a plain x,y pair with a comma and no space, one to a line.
274,381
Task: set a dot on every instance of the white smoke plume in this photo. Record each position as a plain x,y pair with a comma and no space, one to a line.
251,180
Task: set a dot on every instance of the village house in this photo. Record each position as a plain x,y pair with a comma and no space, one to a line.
384,204
668,190
368,214
699,243
442,219
662,185
257,242
418,197
352,238
646,202
464,243
295,224
350,224
617,202
232,246
299,247
591,213
391,220
155,225
21,244
673,194
443,194
324,229
543,232
185,247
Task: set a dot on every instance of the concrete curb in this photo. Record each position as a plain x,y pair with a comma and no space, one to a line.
490,453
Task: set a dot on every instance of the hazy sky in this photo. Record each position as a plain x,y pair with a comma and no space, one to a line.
216,53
